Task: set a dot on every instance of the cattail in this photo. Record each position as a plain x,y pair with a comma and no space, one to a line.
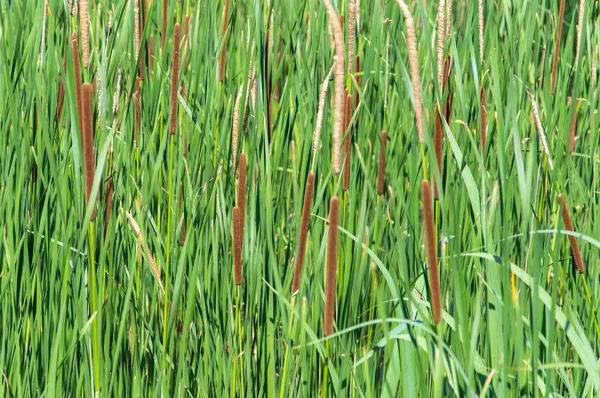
351,27
268,80
223,37
381,163
77,73
347,139
145,248
138,112
569,227
182,235
441,33
480,15
88,142
136,28
448,104
84,20
434,279
579,29
175,79
237,246
110,190
414,67
561,15
151,53
236,118
142,55
448,18
332,248
241,193
308,195
483,111
248,89
165,10
338,113
573,130
538,125
438,137
116,96
321,109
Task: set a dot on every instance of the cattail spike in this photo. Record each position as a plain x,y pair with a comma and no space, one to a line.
332,248
321,109
381,163
347,139
572,240
434,281
579,30
88,142
441,34
237,246
236,122
77,77
223,37
308,195
338,113
84,20
165,10
241,193
175,79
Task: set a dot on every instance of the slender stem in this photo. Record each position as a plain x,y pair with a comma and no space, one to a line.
94,298
168,250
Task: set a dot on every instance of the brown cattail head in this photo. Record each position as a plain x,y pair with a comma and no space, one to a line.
237,246
448,87
434,279
332,248
572,240
308,194
77,72
165,10
241,193
175,79
182,236
236,122
110,191
438,138
223,37
88,142
84,20
138,112
483,119
338,113
561,16
347,139
381,163
413,61
573,130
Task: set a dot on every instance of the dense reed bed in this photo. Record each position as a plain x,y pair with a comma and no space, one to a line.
244,198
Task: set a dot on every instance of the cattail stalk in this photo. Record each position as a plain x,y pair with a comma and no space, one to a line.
413,61
561,15
338,113
572,240
381,163
308,196
347,139
241,192
538,125
483,111
110,191
223,37
332,249
77,77
321,109
237,246
434,279
175,79
165,10
579,29
88,142
84,20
